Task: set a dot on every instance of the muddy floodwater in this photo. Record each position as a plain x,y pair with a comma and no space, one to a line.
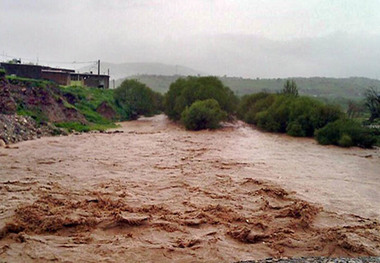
153,192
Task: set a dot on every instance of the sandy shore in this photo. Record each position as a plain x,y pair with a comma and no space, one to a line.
156,192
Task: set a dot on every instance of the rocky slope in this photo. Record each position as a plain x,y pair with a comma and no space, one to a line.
15,128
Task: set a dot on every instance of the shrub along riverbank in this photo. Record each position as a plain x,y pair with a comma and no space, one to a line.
203,102
304,117
199,102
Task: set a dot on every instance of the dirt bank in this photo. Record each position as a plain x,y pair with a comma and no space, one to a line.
32,97
158,193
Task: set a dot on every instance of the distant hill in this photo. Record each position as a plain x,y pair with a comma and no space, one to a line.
351,88
156,82
123,70
336,55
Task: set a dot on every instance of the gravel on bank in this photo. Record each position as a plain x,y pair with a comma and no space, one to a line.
15,128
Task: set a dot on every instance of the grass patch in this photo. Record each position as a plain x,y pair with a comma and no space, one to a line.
34,82
68,105
90,114
36,114
79,127
2,72
93,96
87,100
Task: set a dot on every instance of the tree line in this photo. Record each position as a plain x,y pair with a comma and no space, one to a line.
204,103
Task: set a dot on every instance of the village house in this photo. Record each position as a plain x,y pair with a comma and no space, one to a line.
59,75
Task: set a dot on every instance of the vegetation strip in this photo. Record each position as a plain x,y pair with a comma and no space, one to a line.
196,102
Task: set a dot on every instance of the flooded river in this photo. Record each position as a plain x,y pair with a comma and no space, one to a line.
151,191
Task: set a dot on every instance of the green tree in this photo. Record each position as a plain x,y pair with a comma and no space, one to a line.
373,103
184,92
137,99
310,114
355,109
203,114
276,117
258,106
172,98
290,88
247,102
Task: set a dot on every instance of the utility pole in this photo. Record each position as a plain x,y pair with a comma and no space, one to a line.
99,67
108,72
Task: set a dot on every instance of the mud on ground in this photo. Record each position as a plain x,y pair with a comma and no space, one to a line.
155,192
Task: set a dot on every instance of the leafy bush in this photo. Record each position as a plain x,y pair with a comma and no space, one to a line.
345,141
297,116
295,129
307,115
346,133
2,72
248,102
158,101
266,121
184,92
373,103
276,117
326,113
205,114
172,97
137,99
259,106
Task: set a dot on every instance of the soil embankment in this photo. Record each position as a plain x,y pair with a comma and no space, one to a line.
43,100
155,192
29,107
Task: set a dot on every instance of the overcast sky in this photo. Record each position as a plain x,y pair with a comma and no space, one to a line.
250,38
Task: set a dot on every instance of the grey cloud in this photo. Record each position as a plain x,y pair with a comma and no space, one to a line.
240,38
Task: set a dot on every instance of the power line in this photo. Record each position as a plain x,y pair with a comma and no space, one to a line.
66,62
49,61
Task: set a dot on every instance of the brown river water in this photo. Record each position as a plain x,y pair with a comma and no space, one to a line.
154,192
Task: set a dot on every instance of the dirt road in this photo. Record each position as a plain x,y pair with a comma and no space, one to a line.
155,192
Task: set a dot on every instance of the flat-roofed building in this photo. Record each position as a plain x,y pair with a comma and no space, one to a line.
60,76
